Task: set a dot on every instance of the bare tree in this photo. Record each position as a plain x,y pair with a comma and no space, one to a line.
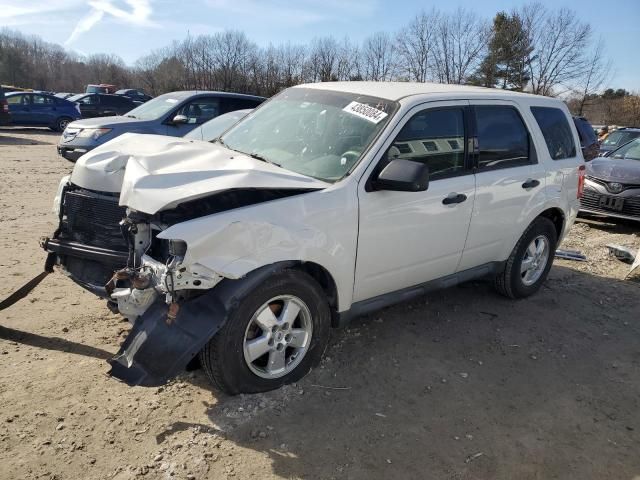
597,73
378,53
560,42
415,44
460,41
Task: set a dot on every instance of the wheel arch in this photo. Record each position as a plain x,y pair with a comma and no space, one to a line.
557,217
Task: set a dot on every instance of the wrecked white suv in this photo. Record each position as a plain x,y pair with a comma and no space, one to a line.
328,201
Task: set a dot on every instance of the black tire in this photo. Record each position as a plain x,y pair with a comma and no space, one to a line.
223,357
509,282
61,124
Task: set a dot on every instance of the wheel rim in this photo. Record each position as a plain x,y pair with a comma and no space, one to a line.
534,260
277,337
63,124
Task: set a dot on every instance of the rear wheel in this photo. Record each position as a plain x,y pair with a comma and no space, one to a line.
277,333
61,124
530,261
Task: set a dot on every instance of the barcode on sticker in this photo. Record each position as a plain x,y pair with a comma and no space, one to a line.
365,111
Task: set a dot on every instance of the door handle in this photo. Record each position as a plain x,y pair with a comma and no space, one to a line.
530,183
454,198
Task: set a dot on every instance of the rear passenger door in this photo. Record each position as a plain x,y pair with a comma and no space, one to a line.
509,181
42,109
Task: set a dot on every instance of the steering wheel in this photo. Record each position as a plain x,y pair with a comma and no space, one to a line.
350,153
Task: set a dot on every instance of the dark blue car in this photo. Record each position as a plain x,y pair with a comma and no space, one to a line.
41,110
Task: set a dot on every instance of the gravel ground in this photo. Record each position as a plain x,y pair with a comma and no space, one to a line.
459,384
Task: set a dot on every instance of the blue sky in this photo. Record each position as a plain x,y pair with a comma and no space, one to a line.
132,28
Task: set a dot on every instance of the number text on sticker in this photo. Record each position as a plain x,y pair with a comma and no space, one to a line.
365,111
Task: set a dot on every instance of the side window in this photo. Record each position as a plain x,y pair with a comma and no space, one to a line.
41,100
435,137
556,132
17,100
89,100
503,138
200,110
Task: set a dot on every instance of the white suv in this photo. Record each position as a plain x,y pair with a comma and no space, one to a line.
328,201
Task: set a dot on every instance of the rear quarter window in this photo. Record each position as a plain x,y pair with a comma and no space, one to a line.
556,132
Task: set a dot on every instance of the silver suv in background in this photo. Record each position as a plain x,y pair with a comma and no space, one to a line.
173,114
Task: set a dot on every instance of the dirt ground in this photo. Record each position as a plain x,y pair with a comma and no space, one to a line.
459,384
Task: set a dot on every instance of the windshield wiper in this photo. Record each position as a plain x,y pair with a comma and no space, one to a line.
263,159
131,116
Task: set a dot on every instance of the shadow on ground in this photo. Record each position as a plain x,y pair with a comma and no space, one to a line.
465,384
18,136
52,343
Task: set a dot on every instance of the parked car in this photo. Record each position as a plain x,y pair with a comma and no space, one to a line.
617,138
40,110
101,88
137,96
588,140
174,114
612,183
212,129
102,105
5,115
327,202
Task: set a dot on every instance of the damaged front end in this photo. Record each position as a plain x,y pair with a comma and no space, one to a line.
116,253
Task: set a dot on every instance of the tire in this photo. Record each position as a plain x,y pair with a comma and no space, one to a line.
516,281
227,357
61,124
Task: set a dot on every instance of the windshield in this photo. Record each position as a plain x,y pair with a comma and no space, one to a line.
620,137
155,108
630,151
317,133
212,129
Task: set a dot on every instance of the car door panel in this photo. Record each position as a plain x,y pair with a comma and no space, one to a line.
504,200
408,238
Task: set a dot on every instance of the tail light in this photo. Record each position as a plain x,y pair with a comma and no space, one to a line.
581,170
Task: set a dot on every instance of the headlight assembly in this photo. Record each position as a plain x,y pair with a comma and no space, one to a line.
94,133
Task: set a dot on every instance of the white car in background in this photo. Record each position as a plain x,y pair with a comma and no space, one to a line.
326,202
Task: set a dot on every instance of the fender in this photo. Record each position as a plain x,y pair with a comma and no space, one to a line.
156,349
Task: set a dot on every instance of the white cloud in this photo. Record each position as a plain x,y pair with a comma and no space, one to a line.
139,15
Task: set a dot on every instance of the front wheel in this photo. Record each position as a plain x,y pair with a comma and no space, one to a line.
277,333
528,265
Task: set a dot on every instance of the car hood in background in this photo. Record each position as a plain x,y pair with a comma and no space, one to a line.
154,172
614,169
107,122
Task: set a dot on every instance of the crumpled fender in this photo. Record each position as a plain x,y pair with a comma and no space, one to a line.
156,350
236,242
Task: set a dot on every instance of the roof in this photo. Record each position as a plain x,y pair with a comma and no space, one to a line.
399,90
188,93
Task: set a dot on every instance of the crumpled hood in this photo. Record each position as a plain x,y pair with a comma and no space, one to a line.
155,172
614,169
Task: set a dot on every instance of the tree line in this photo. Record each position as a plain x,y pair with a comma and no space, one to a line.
531,48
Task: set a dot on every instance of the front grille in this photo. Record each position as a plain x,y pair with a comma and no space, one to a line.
591,201
93,219
625,186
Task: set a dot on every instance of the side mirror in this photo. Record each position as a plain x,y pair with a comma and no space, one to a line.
178,119
403,176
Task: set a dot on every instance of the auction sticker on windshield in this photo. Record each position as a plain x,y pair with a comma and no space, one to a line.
365,111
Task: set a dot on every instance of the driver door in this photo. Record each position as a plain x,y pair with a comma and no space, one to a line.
197,111
408,238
